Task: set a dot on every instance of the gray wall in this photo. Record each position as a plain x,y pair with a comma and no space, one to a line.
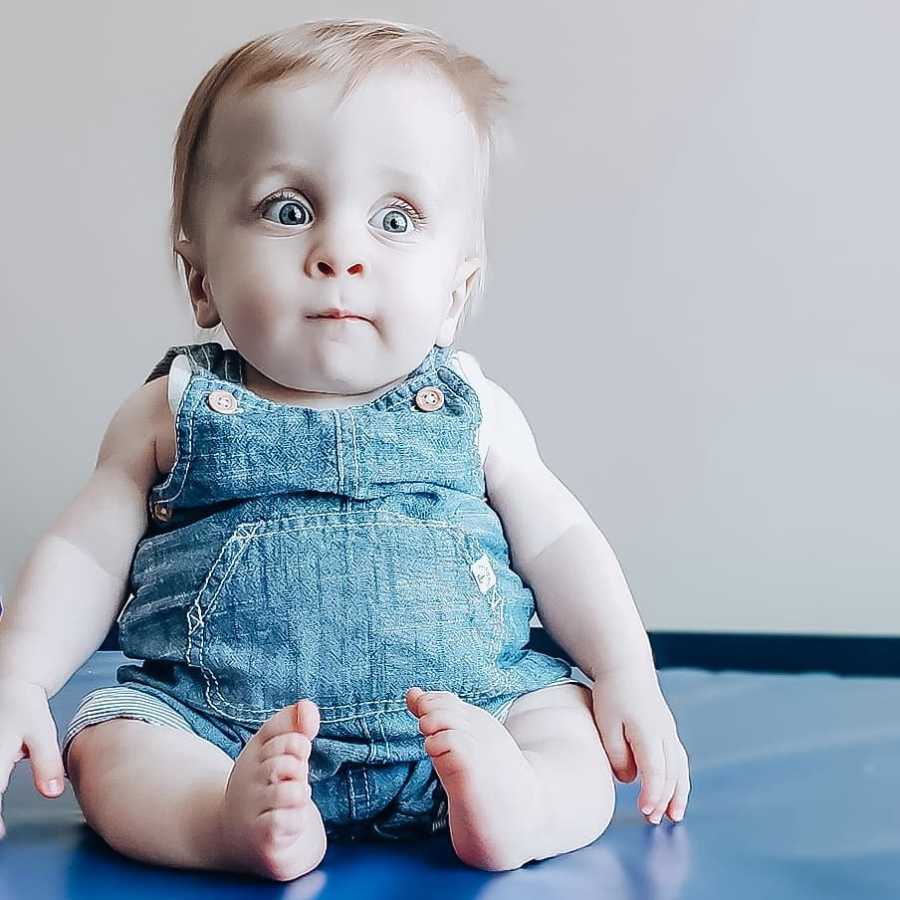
692,293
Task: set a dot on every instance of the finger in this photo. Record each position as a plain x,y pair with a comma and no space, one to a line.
671,779
617,750
651,761
654,816
682,787
46,762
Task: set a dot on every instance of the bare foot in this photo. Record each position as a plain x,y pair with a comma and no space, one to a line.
495,801
270,825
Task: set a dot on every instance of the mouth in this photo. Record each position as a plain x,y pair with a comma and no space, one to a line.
339,314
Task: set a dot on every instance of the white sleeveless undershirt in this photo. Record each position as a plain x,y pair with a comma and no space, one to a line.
462,362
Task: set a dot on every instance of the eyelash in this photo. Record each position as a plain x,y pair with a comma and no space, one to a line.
418,218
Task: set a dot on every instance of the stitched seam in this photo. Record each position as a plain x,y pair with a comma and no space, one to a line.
351,792
394,519
387,705
339,450
355,456
366,786
371,747
208,673
385,746
195,605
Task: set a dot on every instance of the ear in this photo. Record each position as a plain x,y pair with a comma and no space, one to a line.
464,279
205,311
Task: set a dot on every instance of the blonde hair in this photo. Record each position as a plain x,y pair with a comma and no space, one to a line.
351,47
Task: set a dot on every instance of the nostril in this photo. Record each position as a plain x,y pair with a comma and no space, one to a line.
355,268
324,267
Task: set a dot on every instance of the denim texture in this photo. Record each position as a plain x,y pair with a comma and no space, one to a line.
343,555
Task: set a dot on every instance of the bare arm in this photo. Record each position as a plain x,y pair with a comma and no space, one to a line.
581,595
73,582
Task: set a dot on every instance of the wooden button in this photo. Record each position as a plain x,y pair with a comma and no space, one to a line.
222,402
161,512
430,399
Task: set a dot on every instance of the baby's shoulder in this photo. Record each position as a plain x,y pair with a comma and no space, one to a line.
469,369
133,432
507,428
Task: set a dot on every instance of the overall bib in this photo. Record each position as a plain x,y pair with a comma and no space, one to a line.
344,555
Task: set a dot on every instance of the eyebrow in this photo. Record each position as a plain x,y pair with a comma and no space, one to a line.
417,181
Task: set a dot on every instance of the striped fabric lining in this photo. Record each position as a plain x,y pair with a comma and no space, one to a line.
119,702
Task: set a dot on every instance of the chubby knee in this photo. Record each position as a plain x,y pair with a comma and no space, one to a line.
79,752
97,744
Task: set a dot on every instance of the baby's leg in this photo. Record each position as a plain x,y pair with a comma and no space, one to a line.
538,785
164,796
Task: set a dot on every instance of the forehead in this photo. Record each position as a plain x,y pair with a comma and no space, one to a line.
395,121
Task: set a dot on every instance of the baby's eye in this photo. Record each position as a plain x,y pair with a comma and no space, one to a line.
293,212
399,218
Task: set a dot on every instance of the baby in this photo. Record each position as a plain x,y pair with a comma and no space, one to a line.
350,525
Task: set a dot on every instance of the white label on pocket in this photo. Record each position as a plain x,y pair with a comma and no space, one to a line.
484,573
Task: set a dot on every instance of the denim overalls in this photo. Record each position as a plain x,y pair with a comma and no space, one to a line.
343,555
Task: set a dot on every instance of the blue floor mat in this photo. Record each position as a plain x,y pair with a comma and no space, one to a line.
795,786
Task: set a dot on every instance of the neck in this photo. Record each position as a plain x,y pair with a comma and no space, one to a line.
259,384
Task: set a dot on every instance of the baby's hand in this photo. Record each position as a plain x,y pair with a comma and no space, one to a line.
27,729
629,709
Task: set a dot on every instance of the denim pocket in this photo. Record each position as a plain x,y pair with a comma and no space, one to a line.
347,608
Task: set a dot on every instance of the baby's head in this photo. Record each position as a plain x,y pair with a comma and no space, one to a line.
384,134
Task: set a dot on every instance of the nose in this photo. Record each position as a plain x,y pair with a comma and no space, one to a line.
323,264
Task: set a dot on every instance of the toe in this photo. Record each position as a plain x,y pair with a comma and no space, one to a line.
442,719
413,696
440,700
298,716
283,768
292,743
307,718
455,746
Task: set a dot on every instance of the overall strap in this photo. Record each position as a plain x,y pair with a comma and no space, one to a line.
210,357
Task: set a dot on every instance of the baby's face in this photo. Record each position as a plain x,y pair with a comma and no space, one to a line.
374,217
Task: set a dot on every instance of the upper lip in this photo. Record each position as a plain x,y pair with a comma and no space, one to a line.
338,313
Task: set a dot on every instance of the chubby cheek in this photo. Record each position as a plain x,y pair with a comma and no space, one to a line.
421,292
249,317
413,317
256,297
